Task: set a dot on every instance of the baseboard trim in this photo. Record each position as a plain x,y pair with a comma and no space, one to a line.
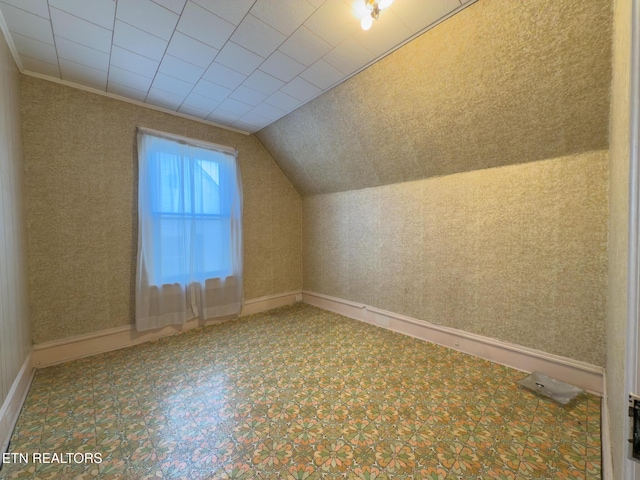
72,348
270,302
607,461
13,403
582,374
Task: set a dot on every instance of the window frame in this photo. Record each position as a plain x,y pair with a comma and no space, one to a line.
158,214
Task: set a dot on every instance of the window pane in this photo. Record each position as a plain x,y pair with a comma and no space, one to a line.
173,190
173,242
206,194
191,192
212,252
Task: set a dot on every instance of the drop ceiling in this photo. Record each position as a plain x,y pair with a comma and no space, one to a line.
238,63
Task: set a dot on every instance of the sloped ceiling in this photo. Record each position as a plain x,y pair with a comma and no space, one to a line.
501,82
237,63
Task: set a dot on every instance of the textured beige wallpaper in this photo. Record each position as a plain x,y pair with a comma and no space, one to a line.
516,253
15,340
502,82
81,179
618,236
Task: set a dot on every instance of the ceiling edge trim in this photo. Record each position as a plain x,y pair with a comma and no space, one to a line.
405,41
12,46
377,59
129,100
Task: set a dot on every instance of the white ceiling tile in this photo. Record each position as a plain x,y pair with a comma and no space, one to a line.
137,41
284,15
239,58
74,72
301,89
389,32
253,119
349,56
133,62
173,5
305,46
100,12
177,68
211,90
148,16
234,106
223,116
203,103
258,37
81,31
129,79
204,26
224,76
232,11
334,21
44,52
164,99
178,53
419,15
35,65
127,92
37,7
172,84
283,101
191,50
263,82
268,112
360,9
27,24
322,74
194,111
281,66
247,95
81,54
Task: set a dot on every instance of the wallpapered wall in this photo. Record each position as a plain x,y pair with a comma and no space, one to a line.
516,253
501,82
15,341
81,181
616,333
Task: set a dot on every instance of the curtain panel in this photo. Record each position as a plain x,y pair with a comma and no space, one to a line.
189,262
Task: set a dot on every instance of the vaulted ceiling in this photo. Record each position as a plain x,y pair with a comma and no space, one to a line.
499,83
238,63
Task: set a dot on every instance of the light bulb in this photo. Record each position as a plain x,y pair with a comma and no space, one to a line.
384,4
366,22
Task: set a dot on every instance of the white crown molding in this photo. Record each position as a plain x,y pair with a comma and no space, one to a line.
9,40
16,57
129,100
578,373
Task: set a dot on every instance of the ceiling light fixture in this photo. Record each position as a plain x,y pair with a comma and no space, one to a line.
374,7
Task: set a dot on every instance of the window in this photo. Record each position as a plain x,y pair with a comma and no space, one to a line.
189,207
191,216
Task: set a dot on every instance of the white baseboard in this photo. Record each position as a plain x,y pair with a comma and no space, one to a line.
607,461
270,302
59,351
13,403
577,373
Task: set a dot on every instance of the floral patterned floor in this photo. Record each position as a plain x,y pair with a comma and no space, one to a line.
300,393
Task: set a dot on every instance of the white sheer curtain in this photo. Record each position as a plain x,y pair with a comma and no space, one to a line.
189,231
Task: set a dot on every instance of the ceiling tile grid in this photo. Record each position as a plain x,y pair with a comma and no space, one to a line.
241,63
